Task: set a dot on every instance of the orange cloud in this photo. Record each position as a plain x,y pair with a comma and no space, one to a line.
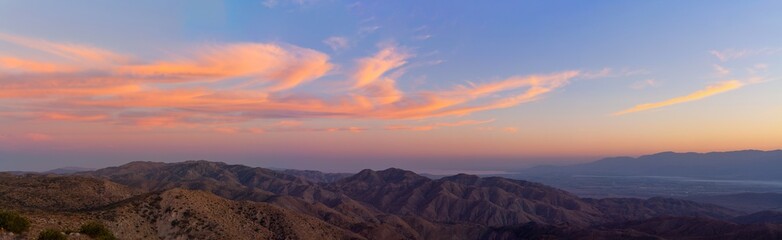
33,66
282,67
383,91
289,123
254,79
72,117
700,94
38,137
50,92
372,68
302,129
511,129
429,127
69,51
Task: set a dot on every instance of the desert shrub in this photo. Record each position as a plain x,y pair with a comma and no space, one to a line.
13,222
51,234
97,230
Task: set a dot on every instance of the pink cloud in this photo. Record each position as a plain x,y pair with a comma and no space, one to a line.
74,52
372,68
38,137
256,82
429,127
511,129
280,67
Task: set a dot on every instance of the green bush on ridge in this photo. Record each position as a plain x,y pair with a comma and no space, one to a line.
97,230
51,234
13,222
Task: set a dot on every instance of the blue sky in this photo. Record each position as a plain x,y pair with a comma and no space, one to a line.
619,78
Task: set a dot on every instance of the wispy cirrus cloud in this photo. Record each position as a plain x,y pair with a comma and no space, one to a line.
433,126
710,90
28,65
230,83
337,43
645,84
279,67
721,70
372,68
73,52
733,54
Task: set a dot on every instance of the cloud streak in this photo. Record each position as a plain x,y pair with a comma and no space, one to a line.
217,85
372,68
337,43
733,54
710,90
433,126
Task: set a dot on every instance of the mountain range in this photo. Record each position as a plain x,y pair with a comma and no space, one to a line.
212,200
746,164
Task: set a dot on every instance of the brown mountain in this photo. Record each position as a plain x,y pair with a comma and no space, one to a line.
316,176
59,193
187,214
466,199
208,200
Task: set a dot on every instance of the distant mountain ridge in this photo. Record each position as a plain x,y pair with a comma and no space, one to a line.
316,176
746,164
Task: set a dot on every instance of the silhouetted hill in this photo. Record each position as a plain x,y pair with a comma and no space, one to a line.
748,164
760,217
68,170
701,228
746,202
316,176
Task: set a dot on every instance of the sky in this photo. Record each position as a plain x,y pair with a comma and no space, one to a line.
347,85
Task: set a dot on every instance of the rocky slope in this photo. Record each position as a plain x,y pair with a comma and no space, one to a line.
208,200
59,193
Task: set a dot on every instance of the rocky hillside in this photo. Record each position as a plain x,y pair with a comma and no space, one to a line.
59,193
208,200
188,214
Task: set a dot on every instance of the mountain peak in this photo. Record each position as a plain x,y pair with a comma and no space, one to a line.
462,178
390,175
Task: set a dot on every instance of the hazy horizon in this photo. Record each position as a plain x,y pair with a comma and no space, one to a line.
473,166
341,86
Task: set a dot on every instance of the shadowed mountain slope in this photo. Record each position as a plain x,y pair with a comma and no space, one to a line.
157,200
746,202
774,217
316,176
